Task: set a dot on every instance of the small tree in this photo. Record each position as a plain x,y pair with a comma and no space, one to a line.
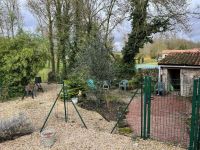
98,60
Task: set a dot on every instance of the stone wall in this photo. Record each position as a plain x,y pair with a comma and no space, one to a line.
187,76
165,77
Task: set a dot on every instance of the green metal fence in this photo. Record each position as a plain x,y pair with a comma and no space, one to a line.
171,113
195,120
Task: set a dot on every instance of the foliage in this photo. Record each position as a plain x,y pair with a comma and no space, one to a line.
150,72
51,77
125,130
75,84
71,25
7,93
22,58
111,98
149,18
136,80
97,59
123,70
142,29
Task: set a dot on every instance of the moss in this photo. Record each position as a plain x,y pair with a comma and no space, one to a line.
112,98
125,130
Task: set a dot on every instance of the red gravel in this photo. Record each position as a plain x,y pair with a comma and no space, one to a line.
168,118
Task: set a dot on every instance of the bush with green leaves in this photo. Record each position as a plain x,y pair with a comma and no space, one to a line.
122,70
74,84
21,58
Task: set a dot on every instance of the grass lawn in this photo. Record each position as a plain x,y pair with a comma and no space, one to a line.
44,74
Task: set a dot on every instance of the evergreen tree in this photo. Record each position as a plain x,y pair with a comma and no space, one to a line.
142,29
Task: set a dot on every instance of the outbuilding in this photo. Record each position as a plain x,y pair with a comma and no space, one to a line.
178,68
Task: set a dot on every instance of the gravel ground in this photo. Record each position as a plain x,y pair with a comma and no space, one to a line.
71,135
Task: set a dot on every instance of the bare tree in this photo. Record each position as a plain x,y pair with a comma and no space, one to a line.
1,22
11,19
104,16
44,12
177,11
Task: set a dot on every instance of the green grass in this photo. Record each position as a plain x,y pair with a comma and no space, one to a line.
44,74
125,130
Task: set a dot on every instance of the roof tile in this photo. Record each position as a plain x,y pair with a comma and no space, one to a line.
185,58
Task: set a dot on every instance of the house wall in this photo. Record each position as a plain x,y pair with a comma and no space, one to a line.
187,76
165,77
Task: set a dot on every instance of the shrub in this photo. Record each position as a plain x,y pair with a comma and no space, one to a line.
73,86
21,58
15,127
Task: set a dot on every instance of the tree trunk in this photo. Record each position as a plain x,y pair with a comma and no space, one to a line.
50,36
58,64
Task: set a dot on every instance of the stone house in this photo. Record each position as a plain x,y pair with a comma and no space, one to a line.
178,68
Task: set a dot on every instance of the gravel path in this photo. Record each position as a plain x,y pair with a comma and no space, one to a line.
71,135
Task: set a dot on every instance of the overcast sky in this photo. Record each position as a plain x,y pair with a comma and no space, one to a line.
30,24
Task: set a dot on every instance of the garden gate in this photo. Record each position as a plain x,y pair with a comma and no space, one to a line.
164,113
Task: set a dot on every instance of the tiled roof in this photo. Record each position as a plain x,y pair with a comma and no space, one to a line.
181,51
182,59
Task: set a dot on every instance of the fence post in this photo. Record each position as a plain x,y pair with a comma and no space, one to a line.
146,109
196,127
65,97
149,107
142,83
194,115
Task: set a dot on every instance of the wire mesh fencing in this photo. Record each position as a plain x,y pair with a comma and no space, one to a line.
169,108
171,113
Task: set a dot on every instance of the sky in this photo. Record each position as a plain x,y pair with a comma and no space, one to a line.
30,24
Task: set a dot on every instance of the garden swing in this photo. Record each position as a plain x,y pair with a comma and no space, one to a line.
64,91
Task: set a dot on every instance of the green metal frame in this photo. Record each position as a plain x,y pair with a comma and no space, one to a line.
65,99
146,109
64,90
142,88
195,120
124,111
149,107
50,111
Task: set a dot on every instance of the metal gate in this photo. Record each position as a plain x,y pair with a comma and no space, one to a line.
171,113
165,111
